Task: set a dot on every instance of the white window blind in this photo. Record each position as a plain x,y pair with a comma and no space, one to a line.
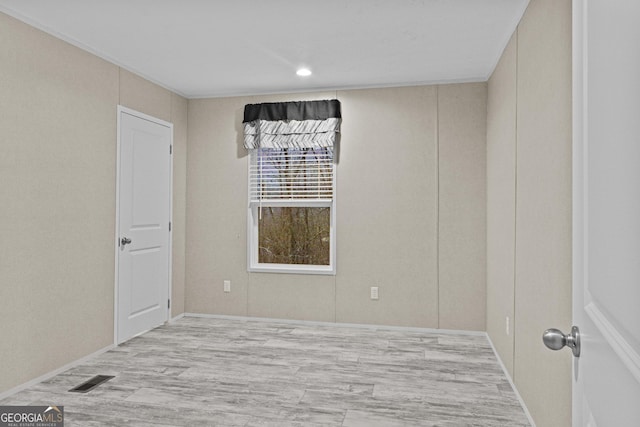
290,174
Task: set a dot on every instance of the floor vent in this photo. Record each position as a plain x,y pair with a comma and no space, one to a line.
94,382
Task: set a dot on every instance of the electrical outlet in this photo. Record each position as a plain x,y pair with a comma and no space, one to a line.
507,325
374,292
227,285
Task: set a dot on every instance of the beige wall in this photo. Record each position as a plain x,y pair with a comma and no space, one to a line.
543,208
532,137
387,207
462,197
501,202
57,192
390,212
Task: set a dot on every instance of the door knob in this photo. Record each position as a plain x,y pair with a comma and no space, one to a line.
555,340
125,241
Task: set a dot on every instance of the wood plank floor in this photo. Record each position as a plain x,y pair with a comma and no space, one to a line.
220,372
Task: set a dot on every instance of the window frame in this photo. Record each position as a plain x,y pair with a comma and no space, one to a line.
253,266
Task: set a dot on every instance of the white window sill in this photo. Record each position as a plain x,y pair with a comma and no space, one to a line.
292,269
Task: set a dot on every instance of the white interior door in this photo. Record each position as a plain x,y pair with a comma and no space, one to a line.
144,210
606,389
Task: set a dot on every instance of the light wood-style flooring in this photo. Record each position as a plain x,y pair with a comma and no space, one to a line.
228,372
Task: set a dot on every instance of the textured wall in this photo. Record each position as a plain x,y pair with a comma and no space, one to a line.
387,207
387,212
462,210
57,221
501,202
543,209
539,292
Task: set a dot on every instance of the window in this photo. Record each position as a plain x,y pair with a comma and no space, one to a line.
291,213
291,216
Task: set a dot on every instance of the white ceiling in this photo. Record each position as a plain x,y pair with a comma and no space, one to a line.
202,48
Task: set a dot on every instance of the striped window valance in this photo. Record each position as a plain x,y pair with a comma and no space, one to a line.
303,124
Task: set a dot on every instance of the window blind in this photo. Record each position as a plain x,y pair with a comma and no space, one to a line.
291,174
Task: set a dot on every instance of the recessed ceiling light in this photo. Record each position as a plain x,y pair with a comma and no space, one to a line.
303,72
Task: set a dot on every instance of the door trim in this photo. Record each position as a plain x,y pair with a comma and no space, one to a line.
120,110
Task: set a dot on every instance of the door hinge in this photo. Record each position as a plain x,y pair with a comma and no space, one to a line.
170,149
168,303
169,225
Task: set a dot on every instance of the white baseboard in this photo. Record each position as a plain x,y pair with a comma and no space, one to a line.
513,386
337,324
175,319
53,373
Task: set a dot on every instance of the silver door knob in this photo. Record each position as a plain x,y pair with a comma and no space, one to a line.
125,241
556,340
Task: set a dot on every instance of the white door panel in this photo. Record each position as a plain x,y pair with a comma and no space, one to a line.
144,208
607,212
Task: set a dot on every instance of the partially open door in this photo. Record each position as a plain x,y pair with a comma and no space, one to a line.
606,191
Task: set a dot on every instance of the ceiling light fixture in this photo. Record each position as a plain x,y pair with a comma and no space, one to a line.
303,72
